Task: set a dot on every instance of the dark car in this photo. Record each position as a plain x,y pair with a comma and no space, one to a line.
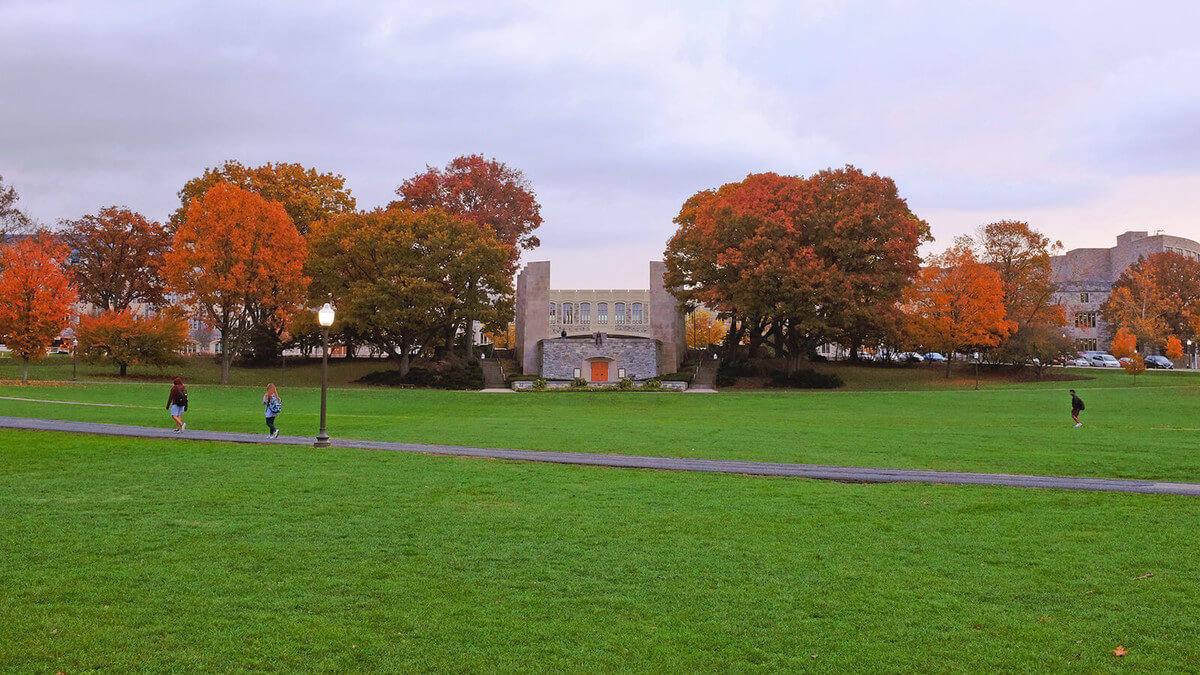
1159,362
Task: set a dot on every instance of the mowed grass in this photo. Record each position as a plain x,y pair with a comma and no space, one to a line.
124,554
1148,431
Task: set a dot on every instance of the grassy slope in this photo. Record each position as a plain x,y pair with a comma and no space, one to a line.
124,554
1143,431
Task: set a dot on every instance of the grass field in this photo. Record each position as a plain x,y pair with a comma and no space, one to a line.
150,555
1149,430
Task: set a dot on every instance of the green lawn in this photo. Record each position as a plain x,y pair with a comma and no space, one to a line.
124,554
1149,430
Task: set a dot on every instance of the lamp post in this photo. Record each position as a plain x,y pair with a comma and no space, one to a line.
74,359
325,318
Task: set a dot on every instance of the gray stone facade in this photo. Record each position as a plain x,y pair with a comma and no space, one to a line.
1085,276
644,328
568,358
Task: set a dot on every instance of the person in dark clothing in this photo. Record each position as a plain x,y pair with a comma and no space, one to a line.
177,403
1076,408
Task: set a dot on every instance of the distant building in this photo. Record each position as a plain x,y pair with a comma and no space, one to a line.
609,334
1085,276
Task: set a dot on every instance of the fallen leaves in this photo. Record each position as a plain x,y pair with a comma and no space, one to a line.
1120,651
1144,576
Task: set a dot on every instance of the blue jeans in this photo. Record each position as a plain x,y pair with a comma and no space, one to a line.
271,424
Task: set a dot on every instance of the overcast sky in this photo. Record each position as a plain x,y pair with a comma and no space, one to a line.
1081,117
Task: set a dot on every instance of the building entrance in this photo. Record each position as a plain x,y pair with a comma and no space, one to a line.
599,371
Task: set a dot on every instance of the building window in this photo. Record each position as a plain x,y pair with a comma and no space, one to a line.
568,313
636,312
553,317
1083,297
1085,319
1086,344
602,312
620,373
585,312
619,312
578,373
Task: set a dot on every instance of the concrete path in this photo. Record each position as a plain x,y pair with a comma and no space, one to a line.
836,473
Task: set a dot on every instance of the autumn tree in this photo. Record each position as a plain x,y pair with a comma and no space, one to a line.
483,191
956,303
1174,348
402,279
703,328
116,255
36,297
1124,347
126,339
796,261
505,338
1156,297
235,252
12,219
306,195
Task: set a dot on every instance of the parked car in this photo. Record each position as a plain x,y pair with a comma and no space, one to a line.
933,356
1101,360
1159,362
911,356
1080,361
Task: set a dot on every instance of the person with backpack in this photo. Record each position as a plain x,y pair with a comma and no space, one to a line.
273,405
177,403
1076,408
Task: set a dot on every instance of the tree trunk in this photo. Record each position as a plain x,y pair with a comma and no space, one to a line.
123,366
948,359
226,357
470,338
24,371
854,346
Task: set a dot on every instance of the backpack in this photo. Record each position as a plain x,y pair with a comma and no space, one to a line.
275,405
183,399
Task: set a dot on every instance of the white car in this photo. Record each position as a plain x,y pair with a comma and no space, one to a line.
1100,360
1079,361
934,356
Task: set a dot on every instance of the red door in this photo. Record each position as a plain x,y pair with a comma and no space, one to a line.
599,371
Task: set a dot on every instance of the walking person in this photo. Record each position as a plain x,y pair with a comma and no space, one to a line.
272,406
177,403
1076,408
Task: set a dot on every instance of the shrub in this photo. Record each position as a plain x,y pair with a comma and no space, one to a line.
681,376
653,384
539,383
806,378
579,383
448,374
626,384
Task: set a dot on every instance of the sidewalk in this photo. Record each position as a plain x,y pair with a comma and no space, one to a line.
836,473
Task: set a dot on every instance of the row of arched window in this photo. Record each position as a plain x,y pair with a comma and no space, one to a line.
571,312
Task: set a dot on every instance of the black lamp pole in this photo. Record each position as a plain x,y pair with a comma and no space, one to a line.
322,437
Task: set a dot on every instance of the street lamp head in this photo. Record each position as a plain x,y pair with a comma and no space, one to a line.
325,316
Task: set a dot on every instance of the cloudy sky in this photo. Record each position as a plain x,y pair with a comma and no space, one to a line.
1081,117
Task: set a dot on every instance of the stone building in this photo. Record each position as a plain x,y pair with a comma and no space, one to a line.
1085,277
599,335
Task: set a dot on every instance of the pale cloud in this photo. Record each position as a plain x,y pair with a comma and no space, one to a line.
1079,116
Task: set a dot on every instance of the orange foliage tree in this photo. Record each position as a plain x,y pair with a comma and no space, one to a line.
703,329
797,261
1156,297
486,192
116,258
306,195
36,297
125,338
1124,347
236,252
956,303
1174,348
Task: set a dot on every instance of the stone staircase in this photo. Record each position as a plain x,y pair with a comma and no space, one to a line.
493,374
706,374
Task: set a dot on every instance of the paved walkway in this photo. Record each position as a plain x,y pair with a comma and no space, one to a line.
837,473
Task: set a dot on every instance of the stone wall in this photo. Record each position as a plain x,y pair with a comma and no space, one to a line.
560,357
533,313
